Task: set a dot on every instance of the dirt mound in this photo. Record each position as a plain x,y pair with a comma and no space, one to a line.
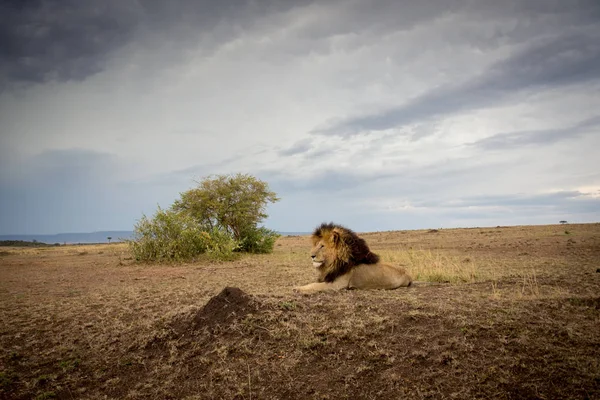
232,303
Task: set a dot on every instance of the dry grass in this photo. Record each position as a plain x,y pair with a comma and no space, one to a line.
518,319
434,266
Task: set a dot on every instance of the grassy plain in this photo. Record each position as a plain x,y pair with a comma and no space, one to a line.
513,312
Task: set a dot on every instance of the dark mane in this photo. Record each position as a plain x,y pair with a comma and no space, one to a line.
354,250
325,227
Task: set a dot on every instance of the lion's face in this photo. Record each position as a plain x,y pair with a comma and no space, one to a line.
320,254
326,249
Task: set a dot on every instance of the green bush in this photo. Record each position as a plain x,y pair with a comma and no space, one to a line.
258,240
234,203
221,245
171,236
218,218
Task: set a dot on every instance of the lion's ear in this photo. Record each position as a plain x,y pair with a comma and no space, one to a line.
335,237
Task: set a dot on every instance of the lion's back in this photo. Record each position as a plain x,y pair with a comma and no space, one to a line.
378,276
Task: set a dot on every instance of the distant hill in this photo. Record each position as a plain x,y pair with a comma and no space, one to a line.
22,243
92,237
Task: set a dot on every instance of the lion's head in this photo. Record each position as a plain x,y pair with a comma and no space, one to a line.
337,249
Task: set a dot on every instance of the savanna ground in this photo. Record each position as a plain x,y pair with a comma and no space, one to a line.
515,314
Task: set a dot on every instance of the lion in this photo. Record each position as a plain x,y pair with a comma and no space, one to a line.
344,261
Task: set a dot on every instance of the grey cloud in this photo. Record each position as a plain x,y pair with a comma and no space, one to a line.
313,155
286,183
349,191
500,209
311,151
402,178
536,208
542,136
299,147
384,16
72,165
567,59
60,190
331,181
399,178
43,40
185,178
47,40
376,18
526,200
79,190
59,40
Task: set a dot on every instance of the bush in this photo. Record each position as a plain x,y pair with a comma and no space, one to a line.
172,236
221,246
258,240
217,218
235,203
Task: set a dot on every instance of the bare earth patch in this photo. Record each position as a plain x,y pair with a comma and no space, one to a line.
514,313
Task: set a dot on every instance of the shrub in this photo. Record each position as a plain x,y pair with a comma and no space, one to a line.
221,245
258,240
169,236
218,218
235,204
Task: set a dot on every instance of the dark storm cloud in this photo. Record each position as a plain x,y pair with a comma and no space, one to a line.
538,137
45,40
376,18
59,40
550,62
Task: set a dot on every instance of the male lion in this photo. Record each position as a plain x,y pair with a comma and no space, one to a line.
344,261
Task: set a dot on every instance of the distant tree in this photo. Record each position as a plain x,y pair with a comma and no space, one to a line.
109,239
563,222
235,203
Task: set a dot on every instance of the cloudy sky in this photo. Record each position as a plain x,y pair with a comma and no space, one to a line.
378,115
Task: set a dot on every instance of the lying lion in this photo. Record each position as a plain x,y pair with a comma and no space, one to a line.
344,261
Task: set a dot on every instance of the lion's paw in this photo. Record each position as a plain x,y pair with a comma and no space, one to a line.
301,289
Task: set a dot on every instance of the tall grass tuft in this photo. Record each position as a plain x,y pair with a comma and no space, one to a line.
426,265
